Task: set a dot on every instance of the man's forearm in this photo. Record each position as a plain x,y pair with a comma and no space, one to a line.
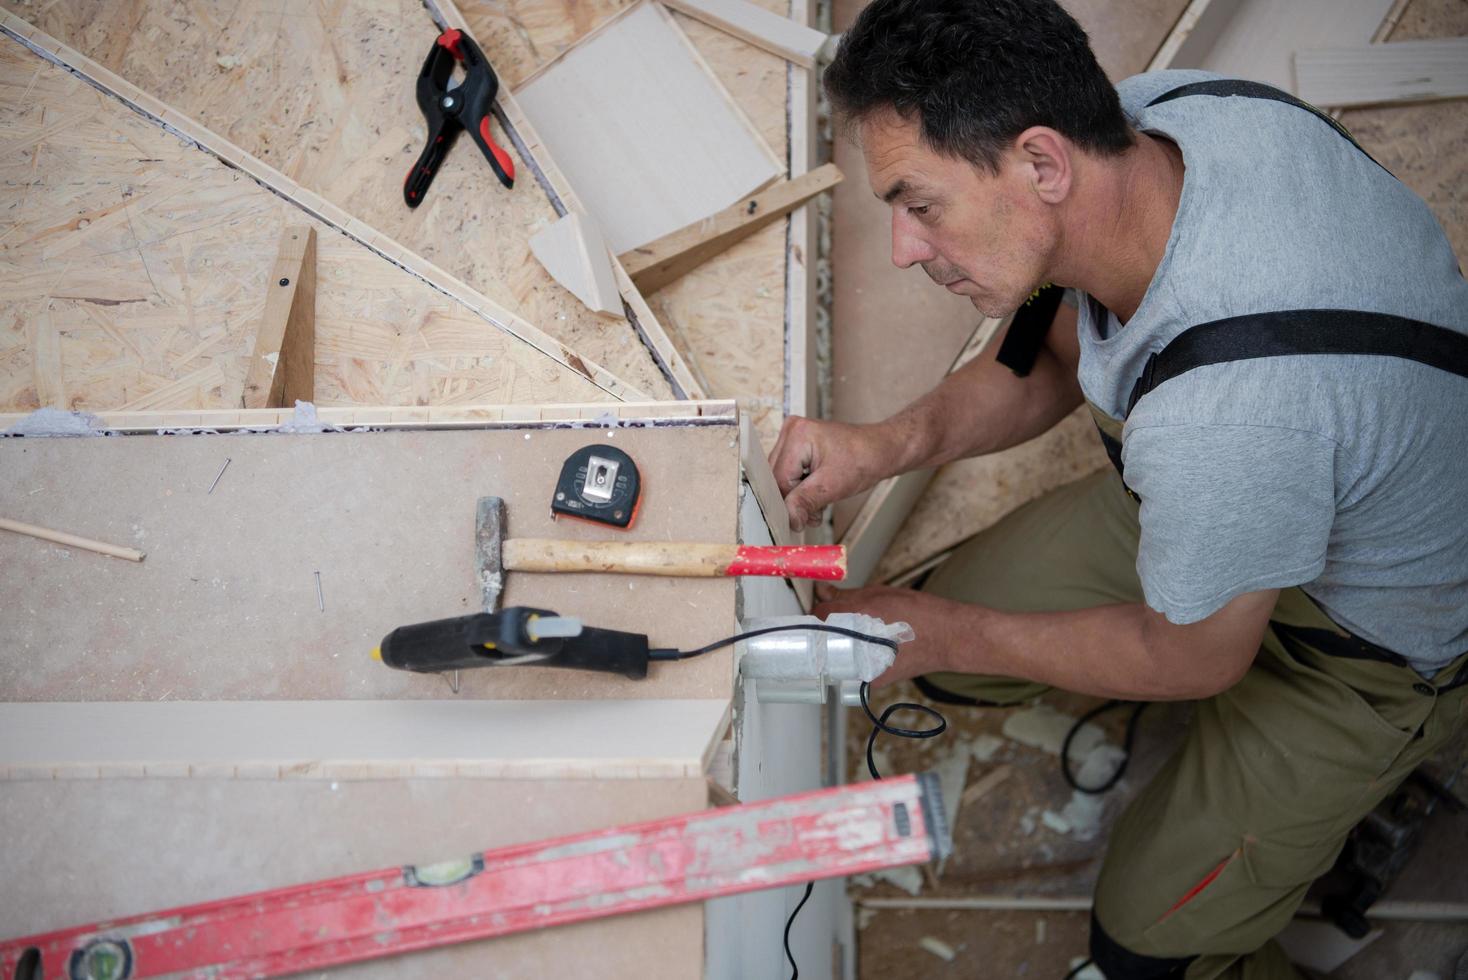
982,407
1107,651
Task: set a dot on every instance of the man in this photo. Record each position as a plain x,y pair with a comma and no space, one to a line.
1298,561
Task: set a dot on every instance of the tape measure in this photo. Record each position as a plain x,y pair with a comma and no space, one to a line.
598,483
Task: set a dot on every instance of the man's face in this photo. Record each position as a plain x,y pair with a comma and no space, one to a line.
980,235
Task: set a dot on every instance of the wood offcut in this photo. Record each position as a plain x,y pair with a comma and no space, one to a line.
283,368
71,540
769,31
654,265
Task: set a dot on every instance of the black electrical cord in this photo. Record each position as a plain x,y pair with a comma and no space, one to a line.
672,654
1131,736
795,970
880,724
1075,971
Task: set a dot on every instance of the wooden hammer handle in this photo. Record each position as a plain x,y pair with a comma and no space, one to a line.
675,558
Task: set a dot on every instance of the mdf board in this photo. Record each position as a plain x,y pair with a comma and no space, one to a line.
89,850
643,130
137,267
226,604
661,738
324,92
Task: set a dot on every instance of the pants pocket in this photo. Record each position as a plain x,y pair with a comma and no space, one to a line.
1242,902
1275,865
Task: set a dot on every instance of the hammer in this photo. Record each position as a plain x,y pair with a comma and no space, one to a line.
523,635
497,554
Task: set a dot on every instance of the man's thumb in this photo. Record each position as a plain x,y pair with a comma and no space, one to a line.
801,504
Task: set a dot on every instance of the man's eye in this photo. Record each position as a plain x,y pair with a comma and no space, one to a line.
918,209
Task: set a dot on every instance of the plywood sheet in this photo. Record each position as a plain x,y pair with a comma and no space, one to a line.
91,849
324,92
365,739
225,606
729,314
136,268
649,139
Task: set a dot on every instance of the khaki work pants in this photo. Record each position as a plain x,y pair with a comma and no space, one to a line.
1212,859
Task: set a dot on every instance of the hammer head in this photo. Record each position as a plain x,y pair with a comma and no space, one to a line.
489,536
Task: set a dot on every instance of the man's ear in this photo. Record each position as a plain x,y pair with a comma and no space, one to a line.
1047,157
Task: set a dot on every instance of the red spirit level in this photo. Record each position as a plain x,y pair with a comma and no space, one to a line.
770,844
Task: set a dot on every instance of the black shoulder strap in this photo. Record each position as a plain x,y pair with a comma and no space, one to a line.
1225,87
1286,332
1027,329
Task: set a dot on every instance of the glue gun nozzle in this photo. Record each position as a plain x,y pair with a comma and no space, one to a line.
377,654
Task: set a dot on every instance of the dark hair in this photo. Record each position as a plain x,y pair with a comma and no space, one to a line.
976,74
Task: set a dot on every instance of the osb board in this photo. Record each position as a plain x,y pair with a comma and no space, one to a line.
167,843
895,332
970,495
324,92
134,271
730,312
225,606
1426,145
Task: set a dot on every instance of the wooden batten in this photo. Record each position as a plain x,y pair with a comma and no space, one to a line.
761,479
771,32
802,242
654,265
530,416
283,367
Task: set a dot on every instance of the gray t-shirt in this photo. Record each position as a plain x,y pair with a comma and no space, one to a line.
1344,474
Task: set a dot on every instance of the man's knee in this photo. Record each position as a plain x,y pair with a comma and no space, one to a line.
1120,963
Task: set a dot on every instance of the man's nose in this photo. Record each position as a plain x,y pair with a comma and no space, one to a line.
908,245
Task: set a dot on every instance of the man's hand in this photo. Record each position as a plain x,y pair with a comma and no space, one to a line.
818,463
1123,650
932,620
